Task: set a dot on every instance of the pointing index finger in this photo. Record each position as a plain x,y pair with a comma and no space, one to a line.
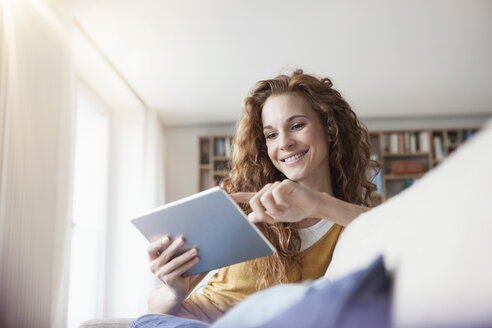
242,197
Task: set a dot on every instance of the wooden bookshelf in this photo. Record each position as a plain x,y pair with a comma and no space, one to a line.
214,154
404,156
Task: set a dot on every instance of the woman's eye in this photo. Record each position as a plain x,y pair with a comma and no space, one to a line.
270,135
297,126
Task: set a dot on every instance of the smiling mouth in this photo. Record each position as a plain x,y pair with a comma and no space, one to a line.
294,157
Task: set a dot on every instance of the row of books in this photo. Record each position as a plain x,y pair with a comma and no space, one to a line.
414,142
406,142
222,147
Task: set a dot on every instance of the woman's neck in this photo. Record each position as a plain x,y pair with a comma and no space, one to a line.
320,184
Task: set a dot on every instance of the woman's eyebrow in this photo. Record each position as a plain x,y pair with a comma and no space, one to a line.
290,119
293,117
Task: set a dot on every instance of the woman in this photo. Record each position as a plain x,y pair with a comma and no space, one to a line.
299,165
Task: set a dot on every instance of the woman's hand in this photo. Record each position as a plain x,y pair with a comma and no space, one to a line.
175,287
285,201
289,201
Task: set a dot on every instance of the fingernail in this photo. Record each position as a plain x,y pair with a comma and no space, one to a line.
165,239
193,251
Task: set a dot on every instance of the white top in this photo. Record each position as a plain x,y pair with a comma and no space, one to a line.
312,234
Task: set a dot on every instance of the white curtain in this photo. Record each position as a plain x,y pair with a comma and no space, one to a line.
36,167
36,136
136,186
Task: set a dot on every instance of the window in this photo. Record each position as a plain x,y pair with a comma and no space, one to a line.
89,211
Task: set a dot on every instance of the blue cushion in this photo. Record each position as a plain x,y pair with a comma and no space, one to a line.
358,300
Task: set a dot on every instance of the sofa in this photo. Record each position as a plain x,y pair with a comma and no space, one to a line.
436,241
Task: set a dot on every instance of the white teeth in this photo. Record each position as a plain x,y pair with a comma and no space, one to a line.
293,158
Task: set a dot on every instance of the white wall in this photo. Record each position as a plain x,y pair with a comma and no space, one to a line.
182,157
182,145
432,122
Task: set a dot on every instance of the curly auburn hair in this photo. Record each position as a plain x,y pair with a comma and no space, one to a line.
349,159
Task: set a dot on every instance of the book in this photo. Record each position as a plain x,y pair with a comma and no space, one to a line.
219,147
424,141
386,142
407,142
401,143
204,152
228,150
438,148
210,221
413,143
394,143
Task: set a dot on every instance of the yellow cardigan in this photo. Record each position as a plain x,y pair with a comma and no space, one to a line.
234,283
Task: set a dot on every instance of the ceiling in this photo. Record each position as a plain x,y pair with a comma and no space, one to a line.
194,61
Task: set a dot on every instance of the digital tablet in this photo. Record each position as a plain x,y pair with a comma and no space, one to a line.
212,222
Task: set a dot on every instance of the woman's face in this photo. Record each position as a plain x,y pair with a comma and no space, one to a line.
295,139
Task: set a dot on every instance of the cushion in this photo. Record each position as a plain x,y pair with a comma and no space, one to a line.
436,237
360,299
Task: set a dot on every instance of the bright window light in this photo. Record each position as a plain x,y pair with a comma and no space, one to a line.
89,213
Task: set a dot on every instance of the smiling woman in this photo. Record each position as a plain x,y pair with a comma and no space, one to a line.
299,164
296,140
303,113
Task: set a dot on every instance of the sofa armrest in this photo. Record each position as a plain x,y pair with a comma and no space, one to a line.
107,323
435,239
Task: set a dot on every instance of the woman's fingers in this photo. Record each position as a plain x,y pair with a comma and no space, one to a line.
266,204
155,246
271,205
285,201
170,251
166,255
177,266
247,198
259,213
281,193
242,197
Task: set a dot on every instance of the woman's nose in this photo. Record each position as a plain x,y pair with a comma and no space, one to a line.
286,141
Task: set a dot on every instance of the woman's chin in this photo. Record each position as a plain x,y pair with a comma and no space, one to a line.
297,177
